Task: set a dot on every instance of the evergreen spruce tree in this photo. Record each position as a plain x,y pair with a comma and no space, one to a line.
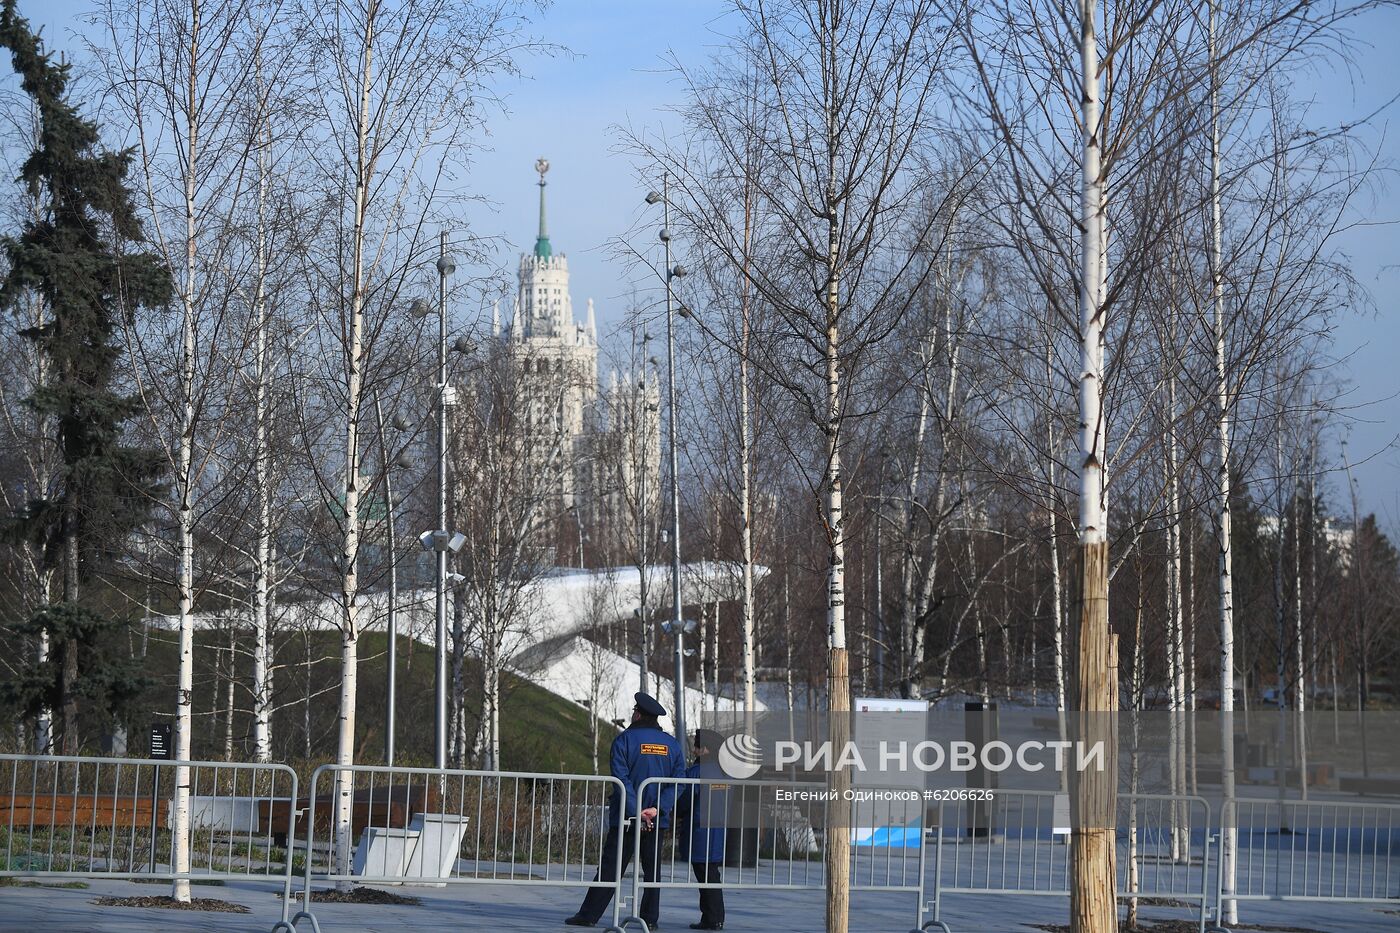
77,257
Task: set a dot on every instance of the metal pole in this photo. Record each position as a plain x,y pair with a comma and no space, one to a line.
675,474
155,818
392,661
440,577
638,427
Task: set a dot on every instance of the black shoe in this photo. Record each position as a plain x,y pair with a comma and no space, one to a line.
578,921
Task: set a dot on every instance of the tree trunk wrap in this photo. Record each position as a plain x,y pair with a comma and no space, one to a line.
1094,799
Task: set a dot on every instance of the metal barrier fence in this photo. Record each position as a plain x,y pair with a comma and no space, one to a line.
423,826
76,817
1295,850
773,838
1017,844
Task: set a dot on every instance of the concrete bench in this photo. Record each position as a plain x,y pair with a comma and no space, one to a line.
391,806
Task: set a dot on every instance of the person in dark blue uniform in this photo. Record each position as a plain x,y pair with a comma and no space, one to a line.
642,751
706,808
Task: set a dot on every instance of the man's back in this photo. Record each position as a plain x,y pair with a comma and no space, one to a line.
645,751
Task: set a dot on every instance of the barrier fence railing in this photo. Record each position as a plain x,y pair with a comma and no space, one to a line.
82,817
1017,844
1164,850
79,817
771,835
423,826
1303,850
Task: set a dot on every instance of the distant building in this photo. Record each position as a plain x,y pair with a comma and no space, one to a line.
606,475
1336,534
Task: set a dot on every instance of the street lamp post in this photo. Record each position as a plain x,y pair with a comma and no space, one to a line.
673,272
445,267
640,432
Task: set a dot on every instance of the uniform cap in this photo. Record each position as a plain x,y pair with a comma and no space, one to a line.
648,705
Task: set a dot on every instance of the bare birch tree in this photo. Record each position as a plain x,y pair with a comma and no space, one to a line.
848,91
396,90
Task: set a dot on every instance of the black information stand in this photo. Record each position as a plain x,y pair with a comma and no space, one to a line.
160,750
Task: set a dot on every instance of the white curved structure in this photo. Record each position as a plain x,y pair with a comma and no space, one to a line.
545,645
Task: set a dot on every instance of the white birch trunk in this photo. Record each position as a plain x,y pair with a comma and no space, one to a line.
1134,773
789,696
184,706
953,347
838,862
1057,619
350,621
1175,673
262,547
748,621
1301,688
306,694
43,726
1053,547
42,475
1092,905
228,697
491,694
838,677
703,651
714,658
1229,836
1188,623
909,644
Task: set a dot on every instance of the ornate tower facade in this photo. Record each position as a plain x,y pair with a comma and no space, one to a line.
602,453
558,354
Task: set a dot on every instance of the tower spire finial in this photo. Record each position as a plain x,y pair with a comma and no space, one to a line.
542,247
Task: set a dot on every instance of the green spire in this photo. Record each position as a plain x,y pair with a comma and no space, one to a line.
542,247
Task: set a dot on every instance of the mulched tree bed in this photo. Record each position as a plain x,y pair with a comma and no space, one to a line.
361,895
169,903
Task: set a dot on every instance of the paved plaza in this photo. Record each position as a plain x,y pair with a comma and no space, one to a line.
507,909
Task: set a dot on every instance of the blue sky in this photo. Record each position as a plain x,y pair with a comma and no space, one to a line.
569,107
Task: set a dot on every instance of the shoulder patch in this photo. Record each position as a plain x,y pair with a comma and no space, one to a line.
649,748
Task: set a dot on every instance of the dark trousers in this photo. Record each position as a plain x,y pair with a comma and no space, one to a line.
711,899
597,899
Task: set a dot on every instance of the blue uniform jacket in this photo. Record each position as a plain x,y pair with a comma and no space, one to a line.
707,807
642,752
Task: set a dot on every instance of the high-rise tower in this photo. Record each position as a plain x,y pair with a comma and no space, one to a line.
559,352
575,435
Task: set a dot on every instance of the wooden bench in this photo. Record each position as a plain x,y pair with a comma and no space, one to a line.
389,806
96,811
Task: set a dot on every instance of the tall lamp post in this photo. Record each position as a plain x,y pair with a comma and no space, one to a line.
678,624
641,421
445,267
440,541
